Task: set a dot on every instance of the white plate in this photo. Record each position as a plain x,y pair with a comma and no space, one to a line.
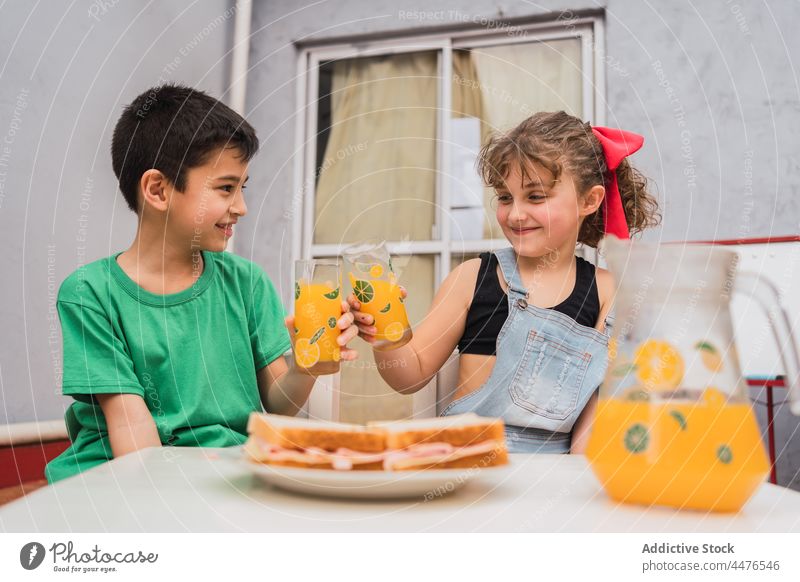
369,484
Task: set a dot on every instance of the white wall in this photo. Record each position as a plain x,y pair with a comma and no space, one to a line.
67,70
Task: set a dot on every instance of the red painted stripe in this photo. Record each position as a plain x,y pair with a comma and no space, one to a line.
745,241
23,463
776,383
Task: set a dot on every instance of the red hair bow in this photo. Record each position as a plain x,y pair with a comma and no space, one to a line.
617,145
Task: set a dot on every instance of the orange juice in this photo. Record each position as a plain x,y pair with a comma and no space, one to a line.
317,310
382,299
702,454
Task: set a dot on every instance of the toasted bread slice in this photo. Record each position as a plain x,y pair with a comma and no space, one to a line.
458,430
298,433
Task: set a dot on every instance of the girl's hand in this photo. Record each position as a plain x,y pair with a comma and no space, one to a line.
345,323
364,321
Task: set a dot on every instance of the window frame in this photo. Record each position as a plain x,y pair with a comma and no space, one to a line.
589,29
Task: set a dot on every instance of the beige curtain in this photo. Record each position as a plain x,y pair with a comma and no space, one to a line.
467,97
379,171
517,80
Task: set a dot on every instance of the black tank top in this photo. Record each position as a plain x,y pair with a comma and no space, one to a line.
489,309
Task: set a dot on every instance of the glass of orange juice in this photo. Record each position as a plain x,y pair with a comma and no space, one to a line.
317,309
376,287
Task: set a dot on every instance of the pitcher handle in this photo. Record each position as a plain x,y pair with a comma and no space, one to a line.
768,297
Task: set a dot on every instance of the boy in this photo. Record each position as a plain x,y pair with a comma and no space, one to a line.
174,342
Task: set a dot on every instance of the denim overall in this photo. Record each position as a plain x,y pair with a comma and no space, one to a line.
547,368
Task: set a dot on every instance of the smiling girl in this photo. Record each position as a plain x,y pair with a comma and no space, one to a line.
529,320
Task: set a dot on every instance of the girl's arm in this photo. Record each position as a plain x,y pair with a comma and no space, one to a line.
583,426
410,367
130,425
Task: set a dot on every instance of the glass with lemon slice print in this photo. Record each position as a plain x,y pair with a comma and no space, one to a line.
317,309
376,287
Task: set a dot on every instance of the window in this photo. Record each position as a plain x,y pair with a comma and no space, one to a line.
389,144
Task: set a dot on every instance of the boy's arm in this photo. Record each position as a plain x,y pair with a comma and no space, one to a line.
283,389
130,425
99,370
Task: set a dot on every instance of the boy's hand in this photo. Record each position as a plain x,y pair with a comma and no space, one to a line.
364,321
345,323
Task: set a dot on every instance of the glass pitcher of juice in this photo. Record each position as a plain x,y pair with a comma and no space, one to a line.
674,425
317,309
375,286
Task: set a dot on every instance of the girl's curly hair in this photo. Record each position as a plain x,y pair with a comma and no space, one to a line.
557,140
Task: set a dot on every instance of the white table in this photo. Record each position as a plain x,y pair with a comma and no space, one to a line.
210,490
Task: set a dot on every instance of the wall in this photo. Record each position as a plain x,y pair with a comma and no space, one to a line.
67,71
712,86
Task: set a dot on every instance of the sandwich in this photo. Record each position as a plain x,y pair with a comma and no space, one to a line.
448,442
315,444
462,441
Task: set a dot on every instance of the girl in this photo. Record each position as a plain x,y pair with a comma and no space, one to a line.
529,320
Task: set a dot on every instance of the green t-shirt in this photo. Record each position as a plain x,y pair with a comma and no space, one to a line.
192,355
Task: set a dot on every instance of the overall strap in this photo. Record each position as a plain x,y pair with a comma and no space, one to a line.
508,265
610,321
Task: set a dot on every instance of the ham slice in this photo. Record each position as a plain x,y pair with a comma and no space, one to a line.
427,453
341,459
344,459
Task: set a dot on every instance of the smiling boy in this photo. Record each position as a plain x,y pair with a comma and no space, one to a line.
173,342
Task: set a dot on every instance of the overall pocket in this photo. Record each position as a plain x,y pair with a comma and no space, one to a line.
549,377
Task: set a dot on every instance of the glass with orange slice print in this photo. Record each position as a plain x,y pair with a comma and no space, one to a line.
376,287
317,309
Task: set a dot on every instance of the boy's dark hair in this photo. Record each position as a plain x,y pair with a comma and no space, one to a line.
173,128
